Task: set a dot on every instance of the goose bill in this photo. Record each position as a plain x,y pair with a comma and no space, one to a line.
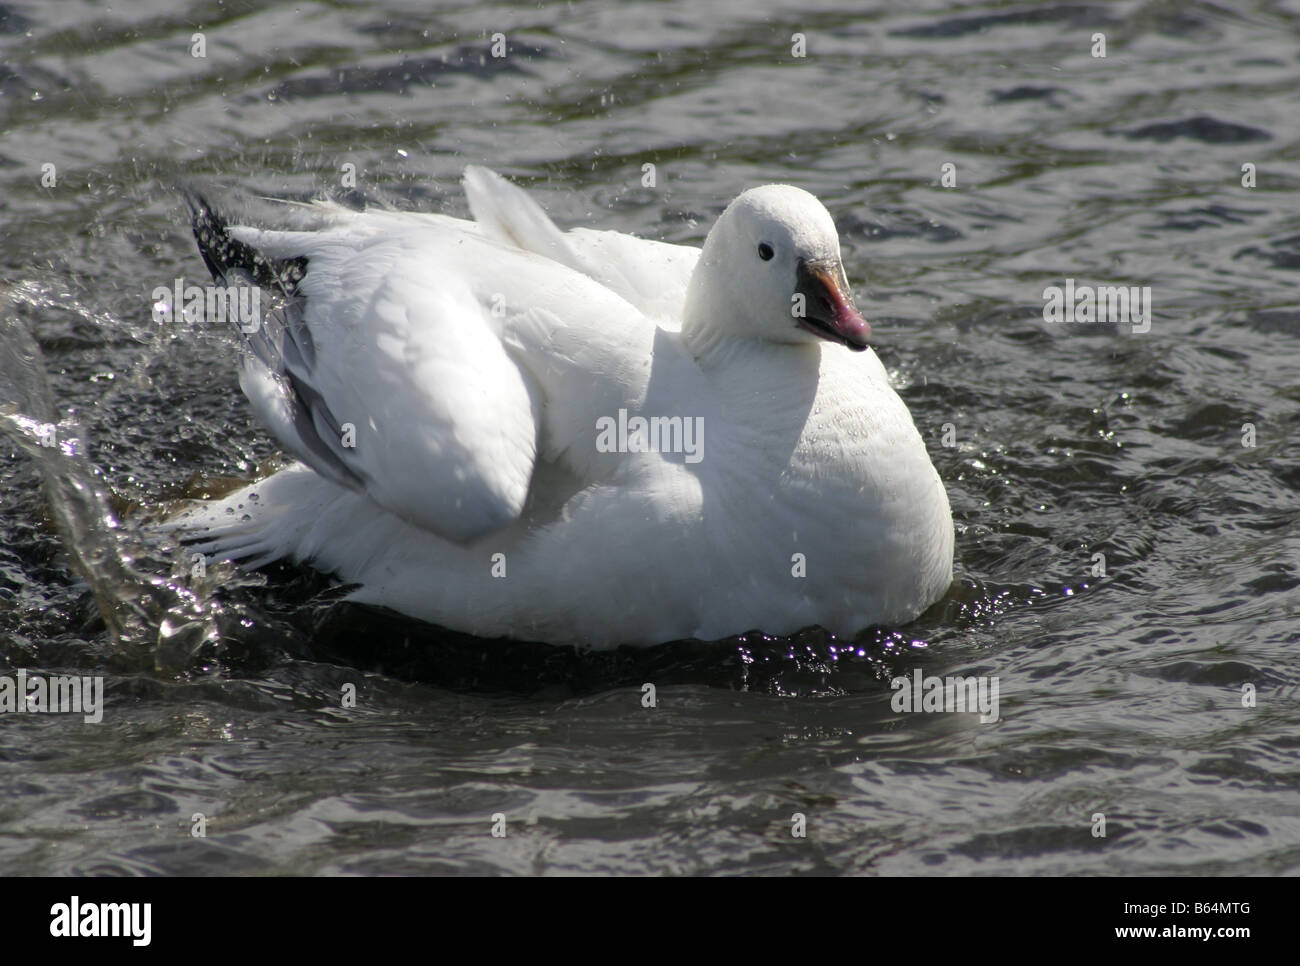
829,311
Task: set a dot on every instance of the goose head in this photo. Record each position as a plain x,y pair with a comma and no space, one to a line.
771,271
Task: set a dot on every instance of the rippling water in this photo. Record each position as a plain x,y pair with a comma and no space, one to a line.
1121,676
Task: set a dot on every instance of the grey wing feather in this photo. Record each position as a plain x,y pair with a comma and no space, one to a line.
280,346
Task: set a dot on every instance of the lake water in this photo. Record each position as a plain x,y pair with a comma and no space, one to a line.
1156,685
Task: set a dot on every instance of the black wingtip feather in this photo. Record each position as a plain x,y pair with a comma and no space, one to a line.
223,253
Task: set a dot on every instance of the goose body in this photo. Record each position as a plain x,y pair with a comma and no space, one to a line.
580,437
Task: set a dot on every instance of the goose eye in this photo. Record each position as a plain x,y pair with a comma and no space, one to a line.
765,251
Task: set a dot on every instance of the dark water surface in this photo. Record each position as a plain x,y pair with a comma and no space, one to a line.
1120,694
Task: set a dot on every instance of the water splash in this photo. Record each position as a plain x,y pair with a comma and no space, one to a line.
152,621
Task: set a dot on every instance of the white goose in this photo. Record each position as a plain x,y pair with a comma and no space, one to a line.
463,397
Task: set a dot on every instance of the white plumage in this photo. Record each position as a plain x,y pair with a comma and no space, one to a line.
476,363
